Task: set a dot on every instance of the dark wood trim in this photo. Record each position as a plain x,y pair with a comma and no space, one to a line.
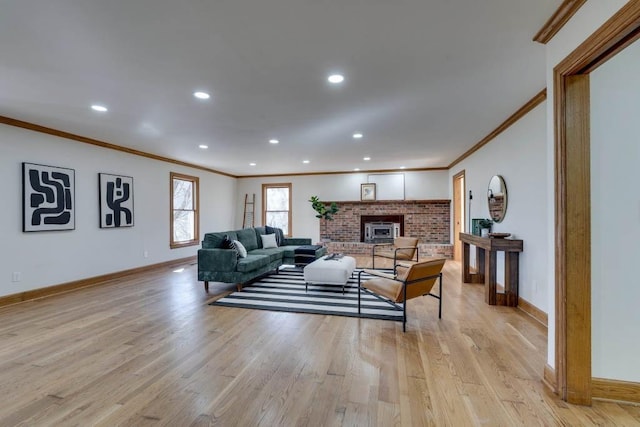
520,113
615,390
91,281
577,240
78,138
560,17
572,162
533,311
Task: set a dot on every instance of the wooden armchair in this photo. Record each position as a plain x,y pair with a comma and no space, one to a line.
402,249
415,280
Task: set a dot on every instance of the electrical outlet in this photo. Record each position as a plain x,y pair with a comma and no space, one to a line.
145,254
16,276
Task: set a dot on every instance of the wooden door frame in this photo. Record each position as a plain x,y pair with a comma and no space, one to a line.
456,203
572,200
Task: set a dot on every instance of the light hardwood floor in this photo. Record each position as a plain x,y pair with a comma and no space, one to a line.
148,350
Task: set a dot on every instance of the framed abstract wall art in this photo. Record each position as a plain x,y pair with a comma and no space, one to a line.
48,202
116,200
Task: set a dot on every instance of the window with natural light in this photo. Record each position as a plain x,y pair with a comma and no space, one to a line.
276,206
185,218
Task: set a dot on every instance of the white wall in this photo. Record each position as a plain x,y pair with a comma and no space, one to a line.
55,257
584,23
615,220
427,185
518,154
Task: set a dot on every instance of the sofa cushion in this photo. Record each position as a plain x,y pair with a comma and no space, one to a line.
275,254
248,238
259,231
214,240
252,262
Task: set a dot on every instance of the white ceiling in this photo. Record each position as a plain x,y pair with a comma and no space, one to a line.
425,79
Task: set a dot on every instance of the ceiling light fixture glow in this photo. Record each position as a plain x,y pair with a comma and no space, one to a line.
366,159
403,167
204,147
273,141
335,78
100,108
357,135
305,162
356,169
252,164
201,95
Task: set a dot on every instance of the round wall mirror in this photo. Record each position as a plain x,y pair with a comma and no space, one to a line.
497,198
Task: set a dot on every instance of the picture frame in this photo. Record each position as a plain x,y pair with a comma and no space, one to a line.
367,191
116,200
48,198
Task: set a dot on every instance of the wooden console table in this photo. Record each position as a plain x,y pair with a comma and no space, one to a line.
487,249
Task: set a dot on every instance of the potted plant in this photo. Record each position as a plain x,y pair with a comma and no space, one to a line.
485,225
322,210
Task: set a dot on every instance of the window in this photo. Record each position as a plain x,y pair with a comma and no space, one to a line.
276,206
185,218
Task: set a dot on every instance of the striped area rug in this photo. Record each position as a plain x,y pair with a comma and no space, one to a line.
285,291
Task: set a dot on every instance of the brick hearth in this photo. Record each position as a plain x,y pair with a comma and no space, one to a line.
429,220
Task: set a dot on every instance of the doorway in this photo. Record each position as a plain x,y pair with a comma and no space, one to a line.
573,376
459,213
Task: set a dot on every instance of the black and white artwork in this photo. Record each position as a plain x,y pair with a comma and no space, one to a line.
116,200
47,198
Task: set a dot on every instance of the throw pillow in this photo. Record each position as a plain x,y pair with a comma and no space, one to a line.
242,252
269,241
278,233
227,243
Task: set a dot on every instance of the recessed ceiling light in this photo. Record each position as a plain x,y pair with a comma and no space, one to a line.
100,108
305,161
252,164
273,141
336,78
204,147
366,159
357,135
356,169
201,95
402,167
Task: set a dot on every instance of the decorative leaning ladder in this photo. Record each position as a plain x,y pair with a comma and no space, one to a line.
248,219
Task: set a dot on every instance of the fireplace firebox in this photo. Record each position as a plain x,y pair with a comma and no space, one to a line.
381,228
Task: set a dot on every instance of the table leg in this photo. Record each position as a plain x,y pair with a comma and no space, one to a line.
511,276
490,283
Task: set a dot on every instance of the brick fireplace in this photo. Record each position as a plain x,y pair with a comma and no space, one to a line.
429,220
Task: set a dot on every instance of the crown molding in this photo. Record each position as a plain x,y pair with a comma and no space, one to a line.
561,16
522,111
78,138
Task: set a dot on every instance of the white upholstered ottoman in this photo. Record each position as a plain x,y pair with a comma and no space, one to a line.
329,271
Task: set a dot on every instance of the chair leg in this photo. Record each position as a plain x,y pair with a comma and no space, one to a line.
440,299
359,290
206,287
404,309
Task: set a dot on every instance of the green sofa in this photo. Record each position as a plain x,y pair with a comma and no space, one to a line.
216,264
